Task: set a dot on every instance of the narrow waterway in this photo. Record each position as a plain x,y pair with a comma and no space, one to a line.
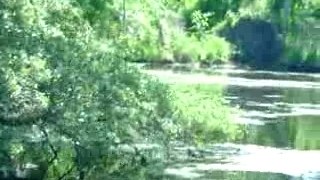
281,112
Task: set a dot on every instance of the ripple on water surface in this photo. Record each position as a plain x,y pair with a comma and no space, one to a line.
282,113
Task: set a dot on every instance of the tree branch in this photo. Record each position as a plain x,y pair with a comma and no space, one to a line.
52,148
66,173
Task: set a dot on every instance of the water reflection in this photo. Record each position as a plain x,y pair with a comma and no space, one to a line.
305,132
282,114
289,117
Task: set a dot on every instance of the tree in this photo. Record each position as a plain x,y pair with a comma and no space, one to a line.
69,106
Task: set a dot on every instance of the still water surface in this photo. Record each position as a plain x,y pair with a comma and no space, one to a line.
282,114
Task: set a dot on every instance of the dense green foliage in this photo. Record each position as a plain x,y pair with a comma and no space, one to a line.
188,30
156,31
67,107
200,106
71,107
296,21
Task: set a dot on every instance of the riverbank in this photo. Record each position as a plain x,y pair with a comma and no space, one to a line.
206,67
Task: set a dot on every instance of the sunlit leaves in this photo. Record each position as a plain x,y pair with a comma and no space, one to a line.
205,118
84,99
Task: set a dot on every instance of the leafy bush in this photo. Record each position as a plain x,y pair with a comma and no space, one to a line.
186,48
216,48
209,48
69,105
161,36
204,116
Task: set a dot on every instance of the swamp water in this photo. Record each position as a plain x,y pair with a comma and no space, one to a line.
281,112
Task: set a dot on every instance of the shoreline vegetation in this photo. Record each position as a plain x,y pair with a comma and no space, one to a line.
206,66
72,108
265,35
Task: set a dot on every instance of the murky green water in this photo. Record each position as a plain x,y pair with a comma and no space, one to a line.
287,115
282,114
